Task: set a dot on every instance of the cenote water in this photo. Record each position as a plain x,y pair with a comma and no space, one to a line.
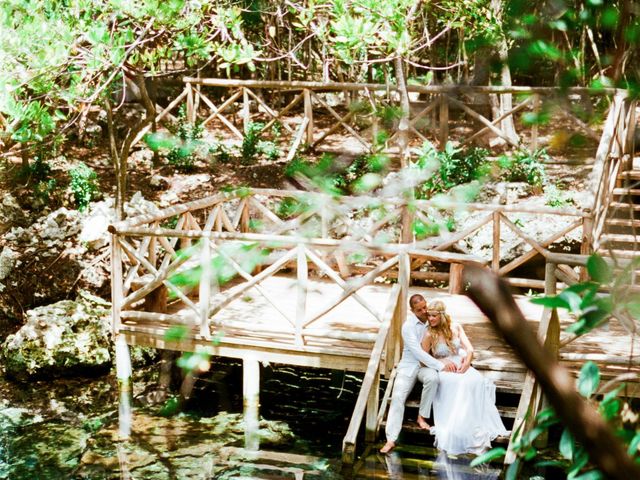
68,429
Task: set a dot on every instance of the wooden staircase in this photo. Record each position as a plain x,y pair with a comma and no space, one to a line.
621,234
507,397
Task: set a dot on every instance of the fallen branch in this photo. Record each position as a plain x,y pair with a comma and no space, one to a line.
495,300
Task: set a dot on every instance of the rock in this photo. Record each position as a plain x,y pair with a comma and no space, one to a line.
11,215
8,260
70,337
159,182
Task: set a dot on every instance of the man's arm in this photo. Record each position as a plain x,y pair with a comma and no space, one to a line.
410,339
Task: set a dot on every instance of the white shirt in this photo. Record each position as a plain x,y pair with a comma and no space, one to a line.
412,353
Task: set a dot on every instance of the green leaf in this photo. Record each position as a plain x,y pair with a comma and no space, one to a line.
633,446
512,471
598,269
551,302
589,379
176,333
488,456
591,475
567,444
573,300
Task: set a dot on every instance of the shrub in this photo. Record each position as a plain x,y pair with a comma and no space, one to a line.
183,155
249,150
450,167
524,166
84,185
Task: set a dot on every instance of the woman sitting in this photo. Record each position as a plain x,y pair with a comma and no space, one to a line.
465,416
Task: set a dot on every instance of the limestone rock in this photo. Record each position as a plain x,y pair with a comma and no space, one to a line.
66,338
11,214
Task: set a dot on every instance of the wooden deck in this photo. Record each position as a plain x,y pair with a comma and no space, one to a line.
251,327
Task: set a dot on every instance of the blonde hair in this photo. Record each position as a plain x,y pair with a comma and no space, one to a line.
444,327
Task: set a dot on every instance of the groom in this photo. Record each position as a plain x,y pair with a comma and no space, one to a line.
412,367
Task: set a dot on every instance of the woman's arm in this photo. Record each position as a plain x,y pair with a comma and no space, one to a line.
448,365
466,344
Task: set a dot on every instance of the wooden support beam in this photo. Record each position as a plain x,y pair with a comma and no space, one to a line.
456,285
251,402
475,115
116,283
495,259
302,284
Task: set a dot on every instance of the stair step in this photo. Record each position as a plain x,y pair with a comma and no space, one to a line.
630,175
626,191
619,238
622,222
623,205
506,412
618,253
414,428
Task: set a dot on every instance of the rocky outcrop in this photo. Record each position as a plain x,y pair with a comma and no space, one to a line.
56,256
68,337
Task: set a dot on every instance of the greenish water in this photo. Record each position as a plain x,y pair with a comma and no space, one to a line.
69,429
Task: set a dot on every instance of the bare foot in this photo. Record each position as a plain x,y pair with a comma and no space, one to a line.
388,447
422,423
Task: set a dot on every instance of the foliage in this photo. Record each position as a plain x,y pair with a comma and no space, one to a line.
185,151
83,185
362,175
524,166
557,197
450,167
253,144
591,309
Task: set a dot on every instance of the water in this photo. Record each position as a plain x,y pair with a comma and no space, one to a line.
69,429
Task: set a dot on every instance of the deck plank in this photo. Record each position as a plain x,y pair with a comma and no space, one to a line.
251,321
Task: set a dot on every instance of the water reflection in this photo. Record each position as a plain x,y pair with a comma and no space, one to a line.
420,465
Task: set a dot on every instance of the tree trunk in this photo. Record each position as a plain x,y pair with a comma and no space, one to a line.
403,126
507,125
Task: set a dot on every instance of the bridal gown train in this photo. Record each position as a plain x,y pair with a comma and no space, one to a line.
466,419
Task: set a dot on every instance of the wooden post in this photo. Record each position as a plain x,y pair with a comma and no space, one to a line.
244,217
308,113
123,374
534,126
456,286
301,304
205,288
246,113
495,261
394,343
191,117
116,283
444,120
251,402
585,247
371,420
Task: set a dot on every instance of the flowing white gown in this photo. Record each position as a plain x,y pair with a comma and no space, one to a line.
464,410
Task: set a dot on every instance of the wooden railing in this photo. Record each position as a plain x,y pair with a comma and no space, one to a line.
614,156
368,399
245,102
151,256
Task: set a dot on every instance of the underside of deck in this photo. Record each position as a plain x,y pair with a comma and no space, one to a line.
251,327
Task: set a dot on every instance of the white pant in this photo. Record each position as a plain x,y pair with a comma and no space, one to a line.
401,390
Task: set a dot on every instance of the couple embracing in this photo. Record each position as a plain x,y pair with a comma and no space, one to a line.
438,353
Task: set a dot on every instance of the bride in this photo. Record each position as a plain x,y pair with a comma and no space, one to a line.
464,412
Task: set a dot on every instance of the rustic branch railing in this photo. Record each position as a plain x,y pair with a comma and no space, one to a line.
368,400
614,156
242,95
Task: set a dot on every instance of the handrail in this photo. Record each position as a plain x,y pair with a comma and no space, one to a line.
369,381
310,85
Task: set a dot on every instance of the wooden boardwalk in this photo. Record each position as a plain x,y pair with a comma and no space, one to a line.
251,326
